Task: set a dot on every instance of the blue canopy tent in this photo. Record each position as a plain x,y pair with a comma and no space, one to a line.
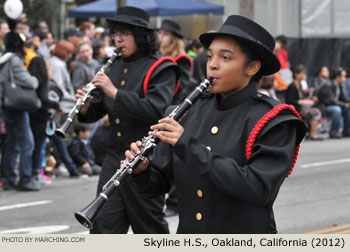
107,8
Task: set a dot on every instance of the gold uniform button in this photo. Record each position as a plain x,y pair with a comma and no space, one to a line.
122,82
198,216
117,121
125,70
209,148
214,130
258,95
119,134
200,193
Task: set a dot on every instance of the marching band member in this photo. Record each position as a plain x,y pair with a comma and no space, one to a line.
134,93
234,148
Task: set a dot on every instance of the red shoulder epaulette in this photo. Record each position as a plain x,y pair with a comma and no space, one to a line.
261,123
184,56
151,70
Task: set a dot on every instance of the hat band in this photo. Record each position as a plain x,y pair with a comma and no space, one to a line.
131,20
230,30
167,28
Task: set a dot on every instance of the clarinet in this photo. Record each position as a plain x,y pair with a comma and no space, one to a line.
87,216
62,131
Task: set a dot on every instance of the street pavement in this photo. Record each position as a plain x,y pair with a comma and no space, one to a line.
315,198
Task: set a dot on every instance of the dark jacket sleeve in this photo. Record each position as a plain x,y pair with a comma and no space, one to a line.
158,178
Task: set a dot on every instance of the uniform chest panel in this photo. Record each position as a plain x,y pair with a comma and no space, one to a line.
221,131
129,75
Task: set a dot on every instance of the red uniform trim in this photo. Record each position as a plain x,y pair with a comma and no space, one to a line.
151,70
184,56
261,123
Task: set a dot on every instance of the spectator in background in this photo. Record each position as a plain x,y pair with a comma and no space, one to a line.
84,70
280,86
76,37
63,51
29,47
89,29
41,30
36,45
281,52
282,56
106,38
50,41
19,137
304,103
193,48
266,86
4,28
98,33
81,152
336,104
85,67
321,79
60,76
39,119
36,66
99,51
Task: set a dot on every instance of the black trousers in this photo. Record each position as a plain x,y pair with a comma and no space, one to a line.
127,207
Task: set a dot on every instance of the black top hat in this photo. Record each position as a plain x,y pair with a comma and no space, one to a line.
171,26
131,16
253,35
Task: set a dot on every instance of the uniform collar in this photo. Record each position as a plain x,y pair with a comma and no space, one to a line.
238,97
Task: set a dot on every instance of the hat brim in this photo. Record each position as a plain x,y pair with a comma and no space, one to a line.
116,20
176,34
269,62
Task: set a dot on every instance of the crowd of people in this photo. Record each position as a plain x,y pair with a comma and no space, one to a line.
322,100
158,68
31,154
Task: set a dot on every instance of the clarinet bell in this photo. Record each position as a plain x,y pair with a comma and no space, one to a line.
87,216
62,131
